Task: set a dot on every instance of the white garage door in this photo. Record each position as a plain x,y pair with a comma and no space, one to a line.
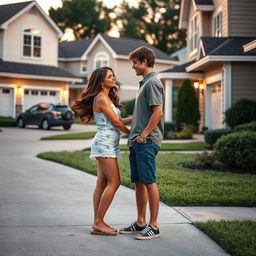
6,102
216,110
32,97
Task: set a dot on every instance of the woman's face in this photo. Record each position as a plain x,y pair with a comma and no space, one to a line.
110,80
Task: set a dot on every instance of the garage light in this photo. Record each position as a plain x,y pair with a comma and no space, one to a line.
196,85
65,92
20,90
201,86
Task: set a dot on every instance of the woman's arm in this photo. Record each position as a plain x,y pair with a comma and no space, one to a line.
102,104
127,120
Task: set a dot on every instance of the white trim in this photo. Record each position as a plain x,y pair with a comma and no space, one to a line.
207,104
69,59
168,100
227,87
204,8
215,14
208,58
46,88
129,87
102,53
250,46
200,48
213,79
14,87
4,44
180,75
34,3
51,78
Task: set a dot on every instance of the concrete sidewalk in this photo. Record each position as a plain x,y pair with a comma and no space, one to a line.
46,208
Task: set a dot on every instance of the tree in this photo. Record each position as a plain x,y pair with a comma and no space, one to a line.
155,21
187,106
87,18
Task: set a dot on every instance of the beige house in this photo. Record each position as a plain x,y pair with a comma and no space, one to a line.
81,57
221,56
29,71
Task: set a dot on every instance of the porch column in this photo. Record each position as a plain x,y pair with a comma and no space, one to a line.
227,88
168,101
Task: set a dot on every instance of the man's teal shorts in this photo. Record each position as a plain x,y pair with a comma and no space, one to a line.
143,162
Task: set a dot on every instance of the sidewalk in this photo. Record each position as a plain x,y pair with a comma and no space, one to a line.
46,208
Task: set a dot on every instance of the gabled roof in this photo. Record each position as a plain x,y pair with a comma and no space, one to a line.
10,12
73,49
226,45
7,11
18,69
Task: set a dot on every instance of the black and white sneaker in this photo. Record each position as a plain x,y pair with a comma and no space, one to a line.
148,233
132,229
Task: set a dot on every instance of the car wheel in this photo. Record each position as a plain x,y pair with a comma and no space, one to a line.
67,126
45,124
68,115
20,123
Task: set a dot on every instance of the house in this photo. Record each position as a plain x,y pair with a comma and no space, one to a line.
221,56
29,71
81,57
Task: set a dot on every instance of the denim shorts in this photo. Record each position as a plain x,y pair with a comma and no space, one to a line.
143,162
105,144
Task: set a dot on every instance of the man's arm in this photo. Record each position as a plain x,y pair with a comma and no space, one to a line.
127,120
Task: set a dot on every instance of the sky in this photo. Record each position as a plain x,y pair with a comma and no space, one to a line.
46,4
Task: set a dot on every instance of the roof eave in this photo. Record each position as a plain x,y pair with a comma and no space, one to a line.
205,8
250,46
180,75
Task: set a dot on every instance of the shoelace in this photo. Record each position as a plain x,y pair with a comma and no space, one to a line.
145,230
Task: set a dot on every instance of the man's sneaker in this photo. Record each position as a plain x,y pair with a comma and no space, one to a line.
148,233
132,229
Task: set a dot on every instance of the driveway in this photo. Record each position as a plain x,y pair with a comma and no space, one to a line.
46,208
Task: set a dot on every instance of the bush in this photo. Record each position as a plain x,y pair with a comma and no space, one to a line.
246,127
128,107
7,121
206,158
237,150
186,133
169,129
187,106
242,112
211,136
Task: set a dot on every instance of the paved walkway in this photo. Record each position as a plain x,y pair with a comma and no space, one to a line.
46,208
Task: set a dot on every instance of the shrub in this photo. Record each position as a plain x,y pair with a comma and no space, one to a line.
206,158
169,129
186,133
128,107
187,106
237,150
246,127
242,112
7,121
211,136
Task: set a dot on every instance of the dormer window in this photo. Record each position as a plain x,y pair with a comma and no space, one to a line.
194,34
101,60
32,43
217,25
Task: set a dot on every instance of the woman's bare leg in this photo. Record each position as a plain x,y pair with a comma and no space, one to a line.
109,167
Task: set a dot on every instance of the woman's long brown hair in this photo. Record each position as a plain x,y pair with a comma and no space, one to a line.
84,106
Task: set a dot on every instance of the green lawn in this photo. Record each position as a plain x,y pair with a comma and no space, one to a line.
71,136
236,237
177,185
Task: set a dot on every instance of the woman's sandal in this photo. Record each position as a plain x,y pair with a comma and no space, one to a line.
103,233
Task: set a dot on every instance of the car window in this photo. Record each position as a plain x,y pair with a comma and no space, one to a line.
33,109
60,108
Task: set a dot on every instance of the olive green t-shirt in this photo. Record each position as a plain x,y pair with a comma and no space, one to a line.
151,93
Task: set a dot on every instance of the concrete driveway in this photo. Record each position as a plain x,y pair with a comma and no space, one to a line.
46,208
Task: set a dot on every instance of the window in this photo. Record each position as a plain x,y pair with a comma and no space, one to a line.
217,25
32,43
101,60
52,93
34,92
26,92
44,93
83,68
6,91
194,31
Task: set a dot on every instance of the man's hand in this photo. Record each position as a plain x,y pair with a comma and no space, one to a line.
140,139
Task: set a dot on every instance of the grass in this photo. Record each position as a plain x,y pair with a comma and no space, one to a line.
177,185
71,136
7,121
236,237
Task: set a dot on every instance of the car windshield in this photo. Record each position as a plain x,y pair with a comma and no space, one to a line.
60,108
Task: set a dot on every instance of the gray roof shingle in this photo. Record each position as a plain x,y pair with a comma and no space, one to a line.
226,45
9,10
33,69
203,2
73,49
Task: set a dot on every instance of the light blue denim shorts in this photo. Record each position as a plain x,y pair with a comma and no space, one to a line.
106,144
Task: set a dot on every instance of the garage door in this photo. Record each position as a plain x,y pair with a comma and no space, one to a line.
32,97
6,102
216,109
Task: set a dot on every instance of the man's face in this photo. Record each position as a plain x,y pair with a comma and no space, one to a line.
139,67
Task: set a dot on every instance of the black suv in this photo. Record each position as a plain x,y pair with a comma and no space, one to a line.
46,115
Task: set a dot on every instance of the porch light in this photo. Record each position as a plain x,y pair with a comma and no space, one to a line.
201,87
20,90
65,92
196,85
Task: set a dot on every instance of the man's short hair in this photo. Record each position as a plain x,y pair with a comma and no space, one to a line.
142,53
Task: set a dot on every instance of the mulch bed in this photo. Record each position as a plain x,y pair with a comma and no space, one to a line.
217,168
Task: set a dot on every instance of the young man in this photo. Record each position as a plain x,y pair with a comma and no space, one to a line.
144,142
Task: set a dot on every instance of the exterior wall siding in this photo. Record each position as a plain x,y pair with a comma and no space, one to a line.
242,17
243,81
14,40
207,24
223,6
1,44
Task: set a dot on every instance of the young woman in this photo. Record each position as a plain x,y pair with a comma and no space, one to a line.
99,101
